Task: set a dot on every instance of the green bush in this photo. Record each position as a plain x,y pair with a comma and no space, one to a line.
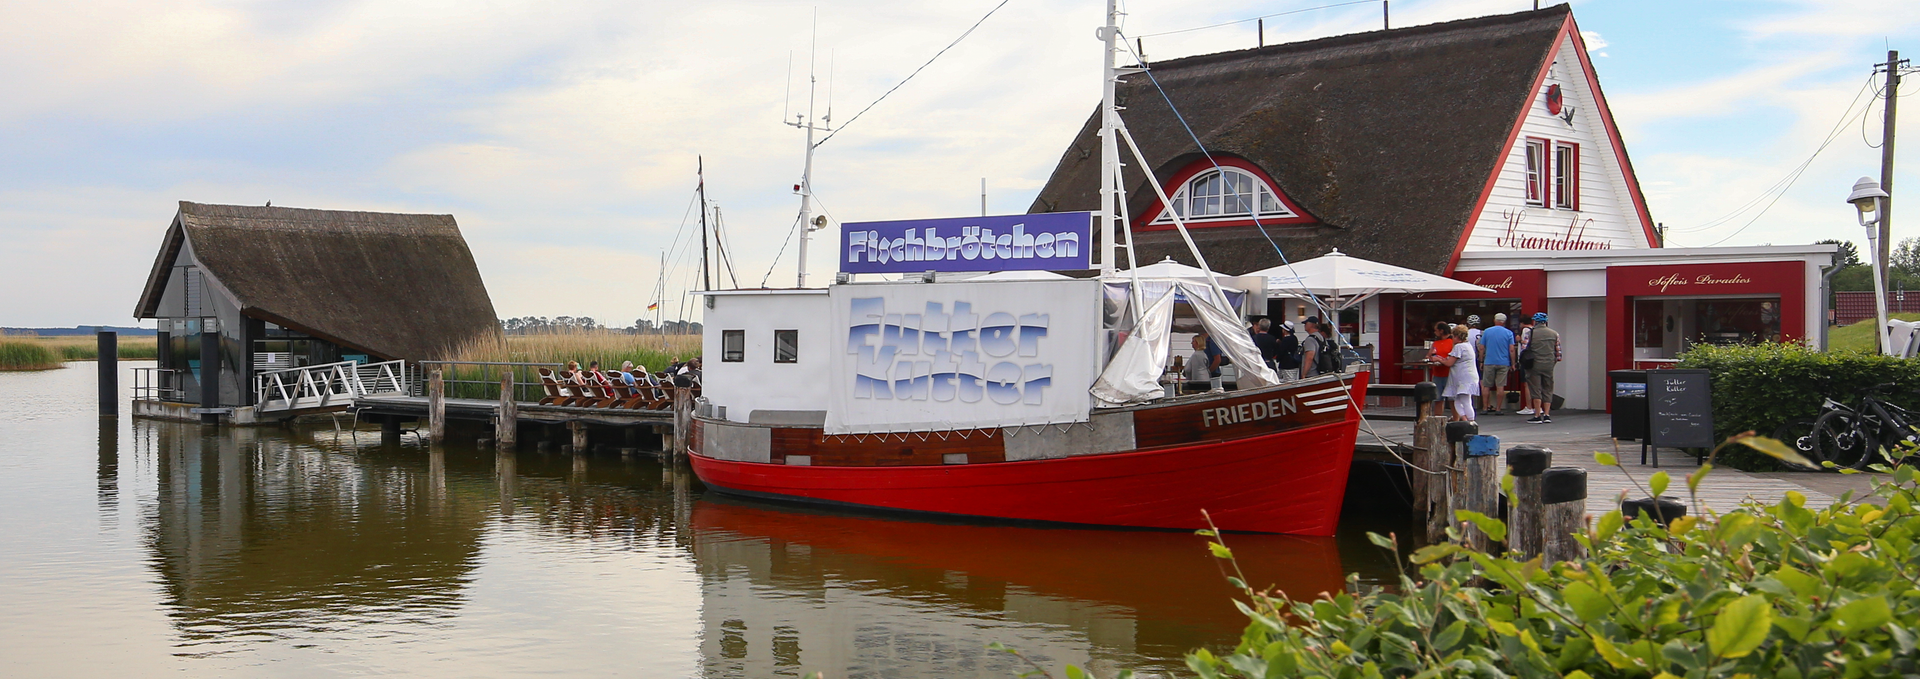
26,355
1759,387
1762,591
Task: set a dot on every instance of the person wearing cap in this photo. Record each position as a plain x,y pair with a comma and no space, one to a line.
1473,331
1310,348
1497,354
1287,363
1546,354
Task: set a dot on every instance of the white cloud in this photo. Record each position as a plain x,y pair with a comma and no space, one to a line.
1595,44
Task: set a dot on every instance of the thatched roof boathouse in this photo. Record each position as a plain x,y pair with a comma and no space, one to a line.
286,287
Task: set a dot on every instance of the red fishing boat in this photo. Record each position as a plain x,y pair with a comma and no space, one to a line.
1019,394
1270,460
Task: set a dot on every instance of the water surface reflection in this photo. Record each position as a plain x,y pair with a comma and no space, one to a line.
317,551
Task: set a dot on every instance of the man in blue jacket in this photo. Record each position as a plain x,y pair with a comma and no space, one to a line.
1498,353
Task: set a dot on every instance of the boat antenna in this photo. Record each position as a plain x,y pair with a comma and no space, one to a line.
806,122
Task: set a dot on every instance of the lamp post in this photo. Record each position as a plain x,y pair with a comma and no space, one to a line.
1867,197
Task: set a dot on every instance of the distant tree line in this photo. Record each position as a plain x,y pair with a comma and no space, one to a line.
541,325
1903,267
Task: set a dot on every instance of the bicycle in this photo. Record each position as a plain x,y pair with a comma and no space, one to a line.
1851,437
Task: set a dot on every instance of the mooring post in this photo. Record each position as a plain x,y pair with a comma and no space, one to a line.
506,424
1462,484
579,430
1564,491
389,430
1664,510
109,373
1526,512
436,407
1431,455
682,420
1481,487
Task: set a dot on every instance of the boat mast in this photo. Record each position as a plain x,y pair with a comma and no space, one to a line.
806,122
1109,146
706,277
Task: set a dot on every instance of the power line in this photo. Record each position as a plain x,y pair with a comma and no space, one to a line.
1797,172
903,81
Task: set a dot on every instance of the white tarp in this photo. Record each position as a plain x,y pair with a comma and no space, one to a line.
1230,332
963,355
1133,376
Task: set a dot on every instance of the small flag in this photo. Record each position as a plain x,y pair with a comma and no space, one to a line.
651,307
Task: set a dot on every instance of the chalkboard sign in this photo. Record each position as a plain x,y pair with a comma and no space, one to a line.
1679,409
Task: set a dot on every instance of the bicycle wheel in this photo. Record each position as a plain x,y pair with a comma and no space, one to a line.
1839,438
1800,435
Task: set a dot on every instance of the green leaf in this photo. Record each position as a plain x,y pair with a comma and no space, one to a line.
1432,553
1612,655
1772,447
1658,484
1698,475
1608,524
1381,541
1606,459
1862,614
1207,533
1074,672
1587,602
1220,550
1494,528
1506,484
1740,627
1450,636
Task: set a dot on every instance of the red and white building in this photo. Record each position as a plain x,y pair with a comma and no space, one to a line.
1480,149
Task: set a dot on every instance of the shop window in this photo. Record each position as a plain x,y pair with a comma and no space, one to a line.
1566,175
733,346
1536,172
786,346
1222,194
1649,323
1737,321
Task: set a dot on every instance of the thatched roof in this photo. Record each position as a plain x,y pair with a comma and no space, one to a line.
1387,137
392,285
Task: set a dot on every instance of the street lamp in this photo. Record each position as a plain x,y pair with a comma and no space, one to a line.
1866,197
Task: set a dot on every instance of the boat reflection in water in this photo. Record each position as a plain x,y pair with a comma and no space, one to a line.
788,589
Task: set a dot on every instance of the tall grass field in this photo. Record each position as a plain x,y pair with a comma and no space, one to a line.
1859,337
29,352
653,352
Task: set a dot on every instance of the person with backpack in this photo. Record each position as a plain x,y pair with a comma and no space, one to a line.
1546,353
1287,349
1311,348
1328,360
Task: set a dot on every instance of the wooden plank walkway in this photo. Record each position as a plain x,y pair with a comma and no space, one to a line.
1574,437
484,410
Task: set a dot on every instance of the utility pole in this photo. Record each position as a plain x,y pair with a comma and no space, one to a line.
1893,66
983,196
1385,22
706,278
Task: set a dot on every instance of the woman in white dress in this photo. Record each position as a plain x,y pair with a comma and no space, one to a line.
1465,382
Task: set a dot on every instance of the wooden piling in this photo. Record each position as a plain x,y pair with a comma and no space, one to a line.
682,421
1526,513
506,424
579,430
109,345
1466,487
436,408
1564,491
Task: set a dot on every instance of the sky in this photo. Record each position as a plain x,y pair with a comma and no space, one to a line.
564,135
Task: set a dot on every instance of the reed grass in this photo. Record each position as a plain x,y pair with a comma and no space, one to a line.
87,347
26,354
653,352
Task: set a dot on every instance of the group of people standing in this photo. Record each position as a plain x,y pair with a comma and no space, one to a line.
1290,356
1470,362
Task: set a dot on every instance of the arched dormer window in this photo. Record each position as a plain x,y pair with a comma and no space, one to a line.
1233,194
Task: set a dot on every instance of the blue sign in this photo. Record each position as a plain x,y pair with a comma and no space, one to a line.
1049,241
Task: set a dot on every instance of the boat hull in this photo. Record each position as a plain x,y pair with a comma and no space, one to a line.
1291,481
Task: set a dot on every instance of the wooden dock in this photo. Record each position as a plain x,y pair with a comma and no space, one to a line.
479,410
1575,436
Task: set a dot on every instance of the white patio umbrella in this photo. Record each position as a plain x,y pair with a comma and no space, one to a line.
1167,268
1345,282
1341,282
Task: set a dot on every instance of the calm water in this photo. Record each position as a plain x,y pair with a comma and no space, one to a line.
134,547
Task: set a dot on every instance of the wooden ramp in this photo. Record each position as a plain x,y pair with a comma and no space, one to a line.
396,405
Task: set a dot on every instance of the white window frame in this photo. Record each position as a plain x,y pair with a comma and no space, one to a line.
1260,195
1537,158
